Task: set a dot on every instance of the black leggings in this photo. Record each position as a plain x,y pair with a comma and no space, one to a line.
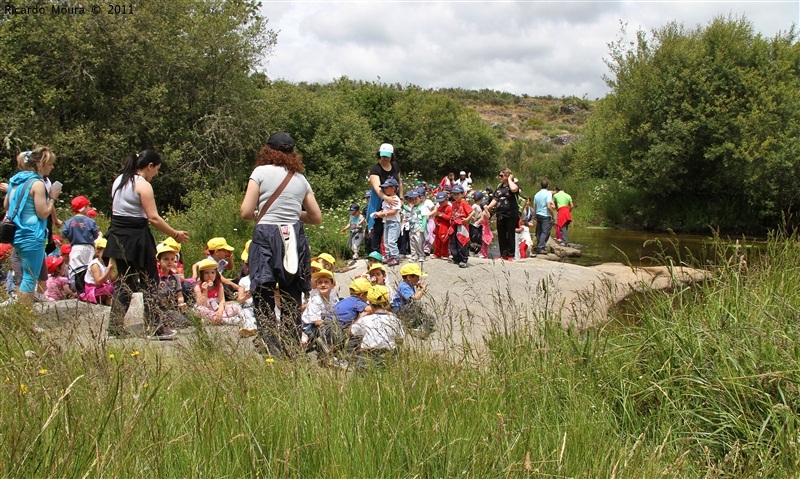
132,279
279,336
506,229
376,236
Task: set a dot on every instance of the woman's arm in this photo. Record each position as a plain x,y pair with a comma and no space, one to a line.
375,183
44,206
250,201
311,214
145,191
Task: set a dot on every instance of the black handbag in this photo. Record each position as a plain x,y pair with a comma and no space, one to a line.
7,227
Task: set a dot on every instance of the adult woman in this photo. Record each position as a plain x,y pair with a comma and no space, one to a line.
506,208
386,167
279,255
29,206
131,245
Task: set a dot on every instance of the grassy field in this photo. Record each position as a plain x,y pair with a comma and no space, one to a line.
700,382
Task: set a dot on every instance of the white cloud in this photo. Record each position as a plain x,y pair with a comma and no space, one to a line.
533,47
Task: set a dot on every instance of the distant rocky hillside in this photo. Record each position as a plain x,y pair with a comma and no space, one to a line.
558,121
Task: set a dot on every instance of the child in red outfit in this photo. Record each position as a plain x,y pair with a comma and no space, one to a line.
441,232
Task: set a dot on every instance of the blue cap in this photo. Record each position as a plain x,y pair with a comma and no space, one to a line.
457,189
477,195
412,194
441,196
390,182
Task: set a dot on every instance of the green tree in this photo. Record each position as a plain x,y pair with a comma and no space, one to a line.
678,130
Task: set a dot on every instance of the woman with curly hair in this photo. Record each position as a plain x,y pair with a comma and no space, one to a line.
279,255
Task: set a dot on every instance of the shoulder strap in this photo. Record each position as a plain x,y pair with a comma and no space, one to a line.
25,187
274,196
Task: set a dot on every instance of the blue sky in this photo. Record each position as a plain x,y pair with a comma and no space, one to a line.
523,47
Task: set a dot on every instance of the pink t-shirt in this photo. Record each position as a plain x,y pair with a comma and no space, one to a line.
55,288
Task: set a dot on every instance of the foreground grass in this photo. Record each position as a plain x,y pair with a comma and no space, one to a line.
703,384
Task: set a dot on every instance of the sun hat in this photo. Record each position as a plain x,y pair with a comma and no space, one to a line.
411,268
323,273
377,266
457,189
218,243
360,285
326,257
441,196
79,203
100,243
164,248
281,141
376,256
170,241
386,149
207,264
390,182
246,251
53,263
378,294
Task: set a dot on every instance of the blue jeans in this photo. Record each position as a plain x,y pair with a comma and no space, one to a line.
543,226
391,231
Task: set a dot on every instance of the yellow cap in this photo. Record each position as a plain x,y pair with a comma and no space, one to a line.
170,241
378,294
100,243
218,243
246,251
411,269
206,264
360,285
325,256
323,273
164,248
316,266
377,266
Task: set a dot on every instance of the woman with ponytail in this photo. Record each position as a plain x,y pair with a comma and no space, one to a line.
29,205
131,245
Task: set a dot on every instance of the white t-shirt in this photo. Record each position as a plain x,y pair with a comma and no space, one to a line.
89,277
380,331
287,207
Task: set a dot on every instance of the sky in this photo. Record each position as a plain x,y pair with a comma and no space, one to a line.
522,47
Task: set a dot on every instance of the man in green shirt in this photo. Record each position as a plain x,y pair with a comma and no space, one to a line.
564,207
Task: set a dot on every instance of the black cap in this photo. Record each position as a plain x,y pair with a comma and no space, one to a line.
281,141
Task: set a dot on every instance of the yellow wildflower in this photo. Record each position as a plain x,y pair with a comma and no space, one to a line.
145,385
269,360
42,372
134,354
111,356
23,389
8,379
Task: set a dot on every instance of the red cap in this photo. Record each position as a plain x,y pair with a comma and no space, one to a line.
53,263
66,248
5,250
57,239
79,203
91,212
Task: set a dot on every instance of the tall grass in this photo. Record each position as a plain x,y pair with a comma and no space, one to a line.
702,383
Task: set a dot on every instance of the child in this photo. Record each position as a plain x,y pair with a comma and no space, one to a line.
326,261
81,231
170,304
418,219
525,240
356,226
209,295
380,330
57,240
475,225
486,233
406,301
99,277
320,307
390,213
246,312
459,234
349,309
57,283
403,242
441,232
377,275
221,253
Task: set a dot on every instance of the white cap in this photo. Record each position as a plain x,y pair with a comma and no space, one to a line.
463,173
386,148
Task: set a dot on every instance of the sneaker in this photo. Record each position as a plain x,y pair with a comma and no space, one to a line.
462,264
40,298
392,262
11,300
247,333
163,334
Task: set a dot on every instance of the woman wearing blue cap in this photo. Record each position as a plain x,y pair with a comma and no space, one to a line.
386,167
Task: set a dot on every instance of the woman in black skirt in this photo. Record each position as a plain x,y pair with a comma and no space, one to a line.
131,245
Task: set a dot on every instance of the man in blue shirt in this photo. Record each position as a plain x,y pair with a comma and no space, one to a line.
545,208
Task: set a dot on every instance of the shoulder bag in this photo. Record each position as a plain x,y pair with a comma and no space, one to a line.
8,229
274,196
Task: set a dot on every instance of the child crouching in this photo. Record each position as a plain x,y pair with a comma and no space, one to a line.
57,283
380,330
209,295
406,301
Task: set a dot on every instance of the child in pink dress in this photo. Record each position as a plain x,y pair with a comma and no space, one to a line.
210,297
58,282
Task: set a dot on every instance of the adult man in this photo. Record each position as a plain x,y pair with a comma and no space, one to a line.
464,180
545,208
564,206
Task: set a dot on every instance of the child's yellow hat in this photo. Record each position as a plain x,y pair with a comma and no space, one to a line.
218,243
164,248
246,251
325,256
323,273
360,285
316,266
377,266
411,269
170,241
206,264
378,294
100,243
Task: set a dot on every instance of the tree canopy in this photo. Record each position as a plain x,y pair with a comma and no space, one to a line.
700,127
